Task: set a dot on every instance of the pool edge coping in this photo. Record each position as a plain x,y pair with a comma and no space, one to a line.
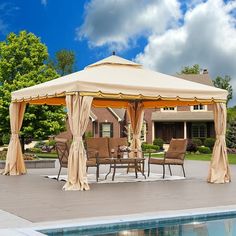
129,218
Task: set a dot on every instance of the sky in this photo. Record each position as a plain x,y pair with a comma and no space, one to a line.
163,35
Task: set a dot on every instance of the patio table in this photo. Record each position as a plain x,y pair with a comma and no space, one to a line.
118,163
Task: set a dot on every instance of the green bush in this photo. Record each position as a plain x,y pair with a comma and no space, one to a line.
50,143
209,142
205,150
6,138
197,141
39,144
158,142
150,147
35,150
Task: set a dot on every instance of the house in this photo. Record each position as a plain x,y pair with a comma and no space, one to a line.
177,122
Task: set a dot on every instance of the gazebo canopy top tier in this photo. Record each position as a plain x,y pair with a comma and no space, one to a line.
114,81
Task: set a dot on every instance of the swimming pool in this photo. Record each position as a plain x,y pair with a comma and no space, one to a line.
220,224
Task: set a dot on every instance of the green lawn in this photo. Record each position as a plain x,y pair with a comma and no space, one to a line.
197,157
46,155
203,157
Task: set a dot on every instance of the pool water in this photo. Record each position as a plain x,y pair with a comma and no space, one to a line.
203,225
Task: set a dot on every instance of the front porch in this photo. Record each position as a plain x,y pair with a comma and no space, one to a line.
185,124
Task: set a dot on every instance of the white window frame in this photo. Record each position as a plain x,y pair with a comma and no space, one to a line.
163,109
199,110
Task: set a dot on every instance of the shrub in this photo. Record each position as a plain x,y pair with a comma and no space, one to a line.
209,142
158,142
3,155
50,143
205,150
191,147
88,134
197,141
39,144
6,138
150,147
35,150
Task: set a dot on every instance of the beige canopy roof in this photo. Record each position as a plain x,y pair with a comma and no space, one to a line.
115,78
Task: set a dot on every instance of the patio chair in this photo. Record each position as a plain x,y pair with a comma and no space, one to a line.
174,156
114,144
62,147
97,152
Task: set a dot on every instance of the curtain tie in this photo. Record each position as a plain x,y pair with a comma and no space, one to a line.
136,136
14,135
220,136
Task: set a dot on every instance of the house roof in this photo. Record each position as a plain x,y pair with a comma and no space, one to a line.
183,116
92,116
120,113
197,78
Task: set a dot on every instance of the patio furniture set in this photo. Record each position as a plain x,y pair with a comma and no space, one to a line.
116,153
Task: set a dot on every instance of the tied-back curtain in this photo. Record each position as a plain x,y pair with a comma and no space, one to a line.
219,168
14,161
78,109
136,112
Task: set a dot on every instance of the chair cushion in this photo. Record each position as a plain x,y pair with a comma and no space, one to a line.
159,161
91,162
99,145
177,149
114,143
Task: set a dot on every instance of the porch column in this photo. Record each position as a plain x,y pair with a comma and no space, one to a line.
185,130
153,131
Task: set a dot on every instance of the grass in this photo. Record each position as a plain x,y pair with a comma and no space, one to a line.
195,157
203,157
46,155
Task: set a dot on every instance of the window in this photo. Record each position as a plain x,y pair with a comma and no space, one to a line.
199,107
143,132
106,130
169,109
199,130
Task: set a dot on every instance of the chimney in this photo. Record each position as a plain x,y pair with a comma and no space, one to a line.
205,71
113,53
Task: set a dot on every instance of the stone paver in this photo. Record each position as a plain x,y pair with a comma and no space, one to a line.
37,199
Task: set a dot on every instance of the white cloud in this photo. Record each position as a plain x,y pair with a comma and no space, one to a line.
207,37
44,2
117,23
7,11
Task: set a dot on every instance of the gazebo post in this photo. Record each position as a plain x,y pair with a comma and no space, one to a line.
136,113
219,171
78,109
14,161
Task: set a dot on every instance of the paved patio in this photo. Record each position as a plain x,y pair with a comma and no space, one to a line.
37,200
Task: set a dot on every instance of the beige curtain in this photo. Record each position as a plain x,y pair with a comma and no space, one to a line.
15,162
136,112
78,109
219,168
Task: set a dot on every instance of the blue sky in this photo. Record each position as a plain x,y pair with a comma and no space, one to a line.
163,35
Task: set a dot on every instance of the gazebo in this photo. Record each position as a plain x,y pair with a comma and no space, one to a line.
118,83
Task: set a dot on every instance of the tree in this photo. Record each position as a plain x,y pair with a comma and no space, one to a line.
224,83
231,134
22,64
65,61
195,69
